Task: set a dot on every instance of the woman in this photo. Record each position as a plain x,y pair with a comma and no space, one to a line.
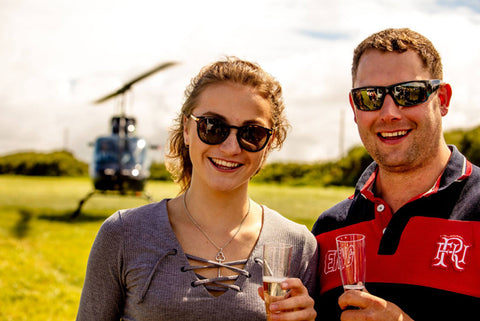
198,256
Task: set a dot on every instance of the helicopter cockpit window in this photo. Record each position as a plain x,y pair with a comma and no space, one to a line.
137,151
106,151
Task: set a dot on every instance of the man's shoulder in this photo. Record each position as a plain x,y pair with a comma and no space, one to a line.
475,173
332,217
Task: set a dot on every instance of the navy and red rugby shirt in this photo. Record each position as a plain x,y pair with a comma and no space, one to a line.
425,258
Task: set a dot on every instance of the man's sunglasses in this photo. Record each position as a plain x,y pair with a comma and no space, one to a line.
406,94
213,131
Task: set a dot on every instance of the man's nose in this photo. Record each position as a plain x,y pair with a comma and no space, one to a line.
390,110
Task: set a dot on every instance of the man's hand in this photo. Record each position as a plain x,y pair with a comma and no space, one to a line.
361,305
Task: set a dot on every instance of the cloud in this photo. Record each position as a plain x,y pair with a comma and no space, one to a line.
58,56
465,4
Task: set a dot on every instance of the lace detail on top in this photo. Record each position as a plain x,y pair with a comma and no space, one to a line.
216,284
150,277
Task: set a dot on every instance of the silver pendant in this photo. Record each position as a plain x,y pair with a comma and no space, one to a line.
220,259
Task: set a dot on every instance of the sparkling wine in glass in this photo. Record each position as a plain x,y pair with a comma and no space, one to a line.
276,267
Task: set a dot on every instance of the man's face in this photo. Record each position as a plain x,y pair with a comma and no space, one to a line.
399,138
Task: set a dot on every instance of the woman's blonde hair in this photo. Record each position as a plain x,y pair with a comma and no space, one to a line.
232,70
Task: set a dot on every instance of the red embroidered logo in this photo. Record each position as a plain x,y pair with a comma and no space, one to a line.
451,249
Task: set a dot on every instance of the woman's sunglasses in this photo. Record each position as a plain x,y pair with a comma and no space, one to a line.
406,94
213,131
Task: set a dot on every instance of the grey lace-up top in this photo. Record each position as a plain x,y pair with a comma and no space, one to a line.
137,270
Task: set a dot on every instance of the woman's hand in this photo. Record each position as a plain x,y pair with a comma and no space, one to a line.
297,305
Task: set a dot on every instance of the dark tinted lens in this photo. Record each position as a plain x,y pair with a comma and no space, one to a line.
410,94
212,130
368,99
253,138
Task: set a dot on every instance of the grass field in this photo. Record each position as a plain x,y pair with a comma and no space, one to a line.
43,254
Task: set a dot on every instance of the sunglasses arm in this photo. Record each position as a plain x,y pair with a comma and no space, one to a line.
186,136
352,105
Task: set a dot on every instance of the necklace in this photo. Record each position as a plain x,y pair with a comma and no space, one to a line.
220,257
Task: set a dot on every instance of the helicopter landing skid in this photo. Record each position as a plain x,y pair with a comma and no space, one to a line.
82,202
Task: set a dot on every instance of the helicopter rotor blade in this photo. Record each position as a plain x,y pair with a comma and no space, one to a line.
103,99
129,84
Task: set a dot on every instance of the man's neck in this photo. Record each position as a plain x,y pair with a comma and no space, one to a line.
398,188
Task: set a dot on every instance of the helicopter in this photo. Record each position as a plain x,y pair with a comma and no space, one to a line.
120,164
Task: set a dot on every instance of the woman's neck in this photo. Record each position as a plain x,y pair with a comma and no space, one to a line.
214,207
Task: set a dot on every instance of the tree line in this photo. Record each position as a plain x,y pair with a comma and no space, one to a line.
57,163
342,172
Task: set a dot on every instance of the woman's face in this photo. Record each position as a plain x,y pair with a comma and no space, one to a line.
226,166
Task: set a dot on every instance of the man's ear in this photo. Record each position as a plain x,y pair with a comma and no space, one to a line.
444,94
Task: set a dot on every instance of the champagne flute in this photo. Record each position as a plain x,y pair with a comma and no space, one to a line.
276,267
352,261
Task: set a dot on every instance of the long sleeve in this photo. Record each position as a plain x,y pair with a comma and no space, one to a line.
103,292
310,274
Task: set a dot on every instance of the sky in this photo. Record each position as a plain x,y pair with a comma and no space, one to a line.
58,56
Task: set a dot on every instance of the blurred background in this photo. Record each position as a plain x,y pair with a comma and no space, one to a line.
57,57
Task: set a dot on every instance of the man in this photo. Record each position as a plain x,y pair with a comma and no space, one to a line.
418,203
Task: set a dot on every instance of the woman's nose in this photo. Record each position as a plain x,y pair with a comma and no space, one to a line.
230,144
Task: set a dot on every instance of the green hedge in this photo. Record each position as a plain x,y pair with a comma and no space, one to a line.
58,163
346,171
159,172
343,172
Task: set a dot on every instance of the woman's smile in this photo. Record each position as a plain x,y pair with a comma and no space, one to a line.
223,164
